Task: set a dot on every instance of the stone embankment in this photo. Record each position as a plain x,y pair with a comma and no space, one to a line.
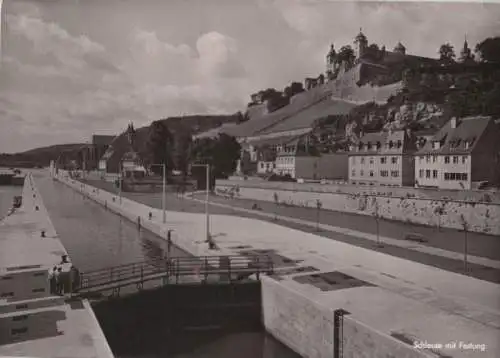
478,212
33,321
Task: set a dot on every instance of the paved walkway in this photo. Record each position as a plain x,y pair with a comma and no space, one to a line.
382,239
70,329
428,303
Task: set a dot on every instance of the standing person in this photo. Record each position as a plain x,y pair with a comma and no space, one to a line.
74,278
57,275
53,281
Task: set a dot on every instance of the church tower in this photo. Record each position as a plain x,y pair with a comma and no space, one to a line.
360,44
466,54
330,61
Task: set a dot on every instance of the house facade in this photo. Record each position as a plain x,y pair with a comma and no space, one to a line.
384,158
463,153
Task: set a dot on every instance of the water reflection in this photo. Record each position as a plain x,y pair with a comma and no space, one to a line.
93,236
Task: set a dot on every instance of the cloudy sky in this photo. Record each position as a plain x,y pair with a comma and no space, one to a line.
73,68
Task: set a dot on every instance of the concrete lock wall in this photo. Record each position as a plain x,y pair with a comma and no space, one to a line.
480,216
308,328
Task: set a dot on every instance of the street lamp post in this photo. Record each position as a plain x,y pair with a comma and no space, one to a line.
163,196
207,196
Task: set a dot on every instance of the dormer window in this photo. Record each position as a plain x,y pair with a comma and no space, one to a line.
466,143
379,145
391,144
436,145
360,146
400,144
369,146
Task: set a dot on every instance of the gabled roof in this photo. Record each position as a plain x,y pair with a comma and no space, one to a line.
275,141
383,138
307,118
468,130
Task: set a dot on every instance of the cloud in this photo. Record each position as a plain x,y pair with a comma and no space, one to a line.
67,75
51,39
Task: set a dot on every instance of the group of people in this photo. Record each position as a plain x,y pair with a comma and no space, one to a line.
64,277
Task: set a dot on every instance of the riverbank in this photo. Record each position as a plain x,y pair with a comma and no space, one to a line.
34,322
388,297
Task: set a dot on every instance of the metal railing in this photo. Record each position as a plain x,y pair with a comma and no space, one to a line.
228,268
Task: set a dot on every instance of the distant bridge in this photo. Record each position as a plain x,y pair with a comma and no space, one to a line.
175,270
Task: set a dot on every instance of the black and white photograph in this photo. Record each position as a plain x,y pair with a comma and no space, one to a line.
249,179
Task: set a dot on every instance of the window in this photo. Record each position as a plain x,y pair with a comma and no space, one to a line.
395,173
400,143
455,160
369,146
436,145
38,290
353,173
20,318
15,331
447,160
391,144
383,160
379,145
262,165
427,173
421,173
446,176
362,160
361,172
353,160
427,158
371,160
434,174
464,176
394,160
464,159
371,173
453,176
7,278
7,294
21,307
466,144
434,158
384,173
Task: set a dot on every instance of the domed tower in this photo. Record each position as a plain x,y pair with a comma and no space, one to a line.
360,44
400,49
330,60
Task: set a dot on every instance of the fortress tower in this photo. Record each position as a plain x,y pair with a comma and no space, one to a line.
330,61
360,44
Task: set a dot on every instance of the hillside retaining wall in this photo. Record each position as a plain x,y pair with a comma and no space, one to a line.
482,217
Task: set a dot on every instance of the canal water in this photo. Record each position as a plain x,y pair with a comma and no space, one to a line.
96,238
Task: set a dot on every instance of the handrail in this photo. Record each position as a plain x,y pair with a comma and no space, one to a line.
178,266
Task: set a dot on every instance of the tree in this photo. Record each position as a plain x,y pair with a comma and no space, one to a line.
221,153
346,54
446,54
158,148
293,89
181,149
489,49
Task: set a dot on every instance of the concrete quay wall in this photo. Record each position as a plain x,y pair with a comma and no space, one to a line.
480,216
33,321
307,327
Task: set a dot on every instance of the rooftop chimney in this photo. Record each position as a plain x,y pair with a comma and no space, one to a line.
453,123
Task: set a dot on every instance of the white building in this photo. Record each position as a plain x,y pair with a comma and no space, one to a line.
465,151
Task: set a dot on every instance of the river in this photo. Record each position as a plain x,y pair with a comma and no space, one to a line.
96,238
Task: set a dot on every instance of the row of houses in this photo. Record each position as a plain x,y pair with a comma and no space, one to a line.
462,154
